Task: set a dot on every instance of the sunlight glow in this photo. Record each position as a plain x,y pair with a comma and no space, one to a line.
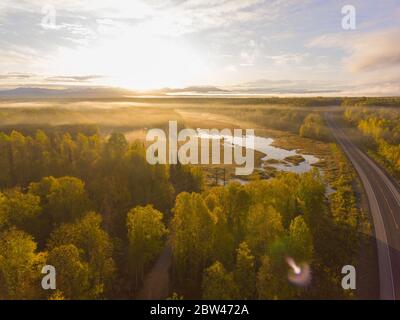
136,59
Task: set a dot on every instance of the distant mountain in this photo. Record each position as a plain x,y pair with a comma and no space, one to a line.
255,88
192,89
266,86
101,92
82,92
29,92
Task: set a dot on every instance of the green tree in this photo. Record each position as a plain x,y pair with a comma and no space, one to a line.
20,210
218,284
116,146
237,203
264,225
282,194
223,244
64,199
41,155
72,273
313,127
145,235
300,240
244,274
19,158
312,199
5,158
20,266
97,249
186,178
267,286
192,237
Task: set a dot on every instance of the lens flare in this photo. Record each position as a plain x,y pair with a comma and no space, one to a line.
299,274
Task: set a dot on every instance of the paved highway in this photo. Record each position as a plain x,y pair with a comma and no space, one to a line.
384,203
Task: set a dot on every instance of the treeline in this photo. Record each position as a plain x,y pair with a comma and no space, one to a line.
295,120
314,127
285,119
207,101
280,119
343,201
232,242
382,127
116,173
371,101
92,207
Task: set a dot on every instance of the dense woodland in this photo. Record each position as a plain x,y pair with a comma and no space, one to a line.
76,202
232,241
96,210
381,127
371,101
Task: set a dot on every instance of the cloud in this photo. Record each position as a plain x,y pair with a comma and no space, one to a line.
250,52
173,17
231,68
15,79
376,51
190,42
287,86
317,87
77,79
15,76
373,60
374,89
365,52
15,56
287,58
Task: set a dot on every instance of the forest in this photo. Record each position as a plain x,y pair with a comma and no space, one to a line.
92,207
76,202
232,241
381,130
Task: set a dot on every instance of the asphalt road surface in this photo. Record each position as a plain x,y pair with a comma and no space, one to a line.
384,203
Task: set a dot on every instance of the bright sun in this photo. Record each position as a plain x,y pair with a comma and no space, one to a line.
135,59
153,62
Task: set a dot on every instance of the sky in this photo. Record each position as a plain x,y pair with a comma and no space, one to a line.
288,46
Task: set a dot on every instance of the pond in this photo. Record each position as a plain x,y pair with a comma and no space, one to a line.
275,157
